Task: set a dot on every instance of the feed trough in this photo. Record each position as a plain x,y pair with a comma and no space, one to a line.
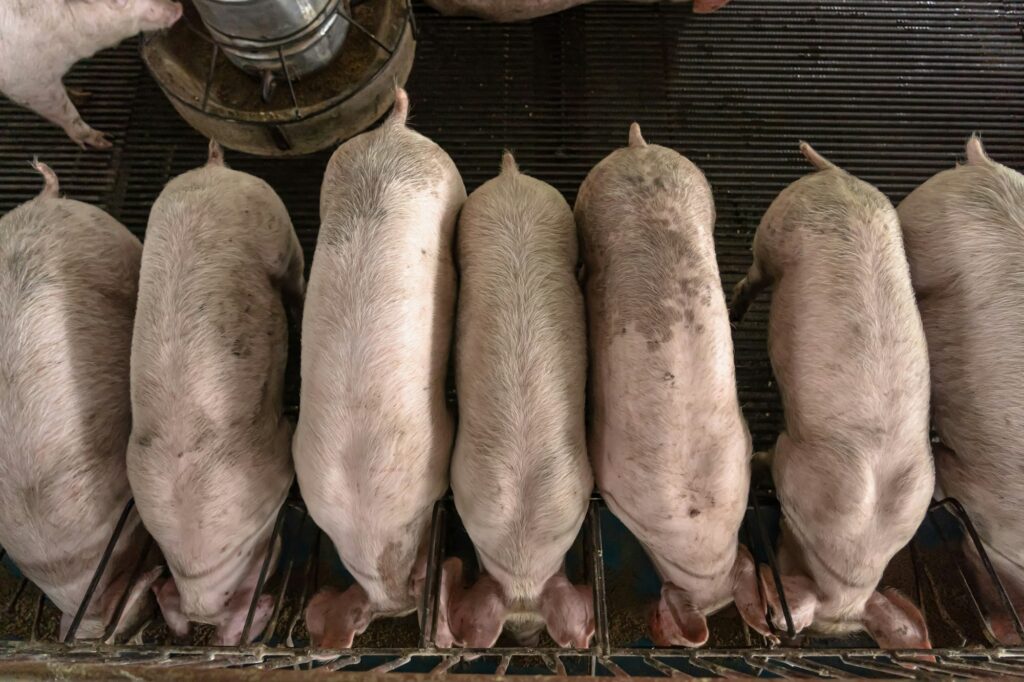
286,97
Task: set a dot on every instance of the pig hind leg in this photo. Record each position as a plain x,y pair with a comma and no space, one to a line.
747,289
51,101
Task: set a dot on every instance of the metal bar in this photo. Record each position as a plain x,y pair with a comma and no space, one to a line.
411,14
17,594
874,665
388,666
613,667
503,665
603,638
98,573
209,77
288,78
941,606
429,598
263,574
40,602
308,584
342,662
122,602
773,564
720,669
663,668
362,29
976,539
434,569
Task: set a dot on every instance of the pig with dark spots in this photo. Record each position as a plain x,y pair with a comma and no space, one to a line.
68,280
964,233
521,10
853,469
374,438
670,448
40,40
520,474
209,458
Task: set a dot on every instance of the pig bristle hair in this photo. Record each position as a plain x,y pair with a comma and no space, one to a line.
508,163
400,112
976,151
216,156
816,159
636,138
51,186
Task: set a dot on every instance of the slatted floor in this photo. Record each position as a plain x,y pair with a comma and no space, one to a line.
889,90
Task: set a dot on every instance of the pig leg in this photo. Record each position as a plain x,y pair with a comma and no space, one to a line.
894,622
568,611
675,622
335,618
747,290
51,101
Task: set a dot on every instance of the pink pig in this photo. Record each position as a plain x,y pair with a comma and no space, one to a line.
853,469
964,231
40,40
520,474
670,448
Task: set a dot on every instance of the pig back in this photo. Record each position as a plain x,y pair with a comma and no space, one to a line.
209,459
848,350
964,232
374,438
520,474
669,444
67,298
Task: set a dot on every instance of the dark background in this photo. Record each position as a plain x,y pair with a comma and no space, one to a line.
889,90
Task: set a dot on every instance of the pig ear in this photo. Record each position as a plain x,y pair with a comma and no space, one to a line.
568,611
170,606
139,592
334,619
801,598
708,6
677,623
450,592
894,622
477,615
747,594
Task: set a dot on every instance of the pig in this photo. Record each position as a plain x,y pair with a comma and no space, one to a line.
68,281
209,456
670,448
522,10
853,468
520,475
374,437
964,234
40,40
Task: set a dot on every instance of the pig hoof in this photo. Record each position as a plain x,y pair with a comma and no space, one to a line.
78,96
94,139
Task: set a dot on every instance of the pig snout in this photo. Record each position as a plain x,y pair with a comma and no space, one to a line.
156,15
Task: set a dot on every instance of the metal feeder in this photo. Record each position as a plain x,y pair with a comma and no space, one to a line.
220,64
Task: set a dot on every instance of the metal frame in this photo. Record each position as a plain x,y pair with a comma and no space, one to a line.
297,115
799,658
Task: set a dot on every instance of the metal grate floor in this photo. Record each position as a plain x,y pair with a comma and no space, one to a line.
889,90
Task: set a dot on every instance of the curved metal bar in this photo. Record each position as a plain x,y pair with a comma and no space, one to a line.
263,573
98,573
